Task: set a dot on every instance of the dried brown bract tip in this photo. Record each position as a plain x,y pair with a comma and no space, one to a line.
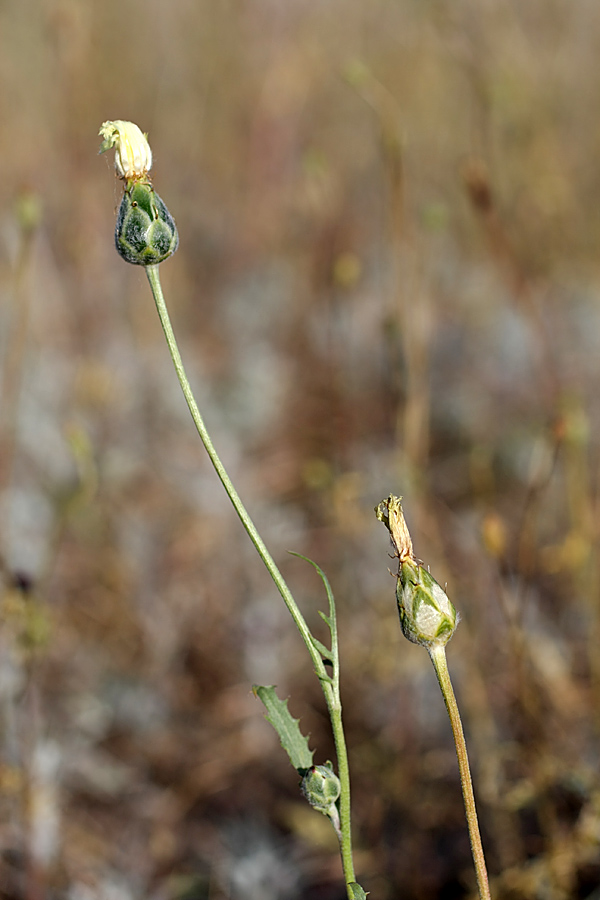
390,513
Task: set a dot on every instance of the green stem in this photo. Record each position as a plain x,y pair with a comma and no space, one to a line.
154,279
334,704
335,714
330,688
438,658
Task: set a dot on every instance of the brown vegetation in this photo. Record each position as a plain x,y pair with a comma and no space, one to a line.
387,281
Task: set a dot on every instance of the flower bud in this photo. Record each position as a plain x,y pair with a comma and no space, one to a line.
321,787
146,233
427,616
133,156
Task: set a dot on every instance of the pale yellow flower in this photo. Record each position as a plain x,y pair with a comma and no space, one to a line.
133,156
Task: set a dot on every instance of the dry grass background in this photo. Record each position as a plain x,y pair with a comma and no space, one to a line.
388,280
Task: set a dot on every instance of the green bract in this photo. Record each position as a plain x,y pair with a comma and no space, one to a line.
146,233
426,614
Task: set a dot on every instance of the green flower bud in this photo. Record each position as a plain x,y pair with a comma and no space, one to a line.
426,614
321,787
146,233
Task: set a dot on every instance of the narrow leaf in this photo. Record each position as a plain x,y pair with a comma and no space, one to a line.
325,618
331,620
356,892
323,650
292,740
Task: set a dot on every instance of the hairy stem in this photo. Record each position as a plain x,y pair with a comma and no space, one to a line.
438,658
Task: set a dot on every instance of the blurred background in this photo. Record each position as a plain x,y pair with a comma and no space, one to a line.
387,281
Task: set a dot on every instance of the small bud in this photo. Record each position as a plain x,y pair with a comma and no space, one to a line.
133,156
321,787
427,616
146,233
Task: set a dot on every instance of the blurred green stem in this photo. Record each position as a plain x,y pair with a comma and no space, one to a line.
15,363
438,658
329,685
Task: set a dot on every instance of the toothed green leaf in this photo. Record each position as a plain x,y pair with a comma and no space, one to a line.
292,740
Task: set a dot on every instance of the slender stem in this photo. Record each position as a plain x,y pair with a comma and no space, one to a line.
330,688
334,704
154,279
438,658
14,364
335,713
